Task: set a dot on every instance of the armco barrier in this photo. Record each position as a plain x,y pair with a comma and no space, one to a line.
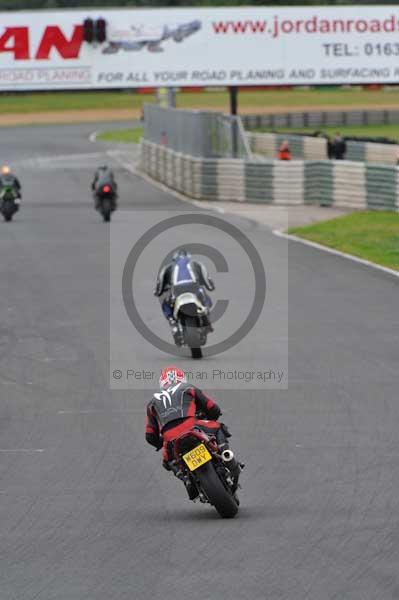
321,182
318,119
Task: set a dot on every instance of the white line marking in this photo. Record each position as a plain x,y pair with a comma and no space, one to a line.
12,450
93,136
201,204
276,232
66,157
48,359
351,257
63,159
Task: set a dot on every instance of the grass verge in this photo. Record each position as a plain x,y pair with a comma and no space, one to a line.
296,98
127,136
254,100
61,101
373,236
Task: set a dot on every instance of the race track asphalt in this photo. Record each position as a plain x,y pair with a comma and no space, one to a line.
87,512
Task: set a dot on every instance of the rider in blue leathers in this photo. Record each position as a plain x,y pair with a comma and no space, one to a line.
183,274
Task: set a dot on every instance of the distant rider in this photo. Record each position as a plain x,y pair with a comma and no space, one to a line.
183,274
175,410
103,176
8,179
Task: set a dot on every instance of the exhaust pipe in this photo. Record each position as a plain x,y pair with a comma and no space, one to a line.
227,456
233,466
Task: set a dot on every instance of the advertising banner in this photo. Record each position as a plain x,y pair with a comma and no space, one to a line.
200,46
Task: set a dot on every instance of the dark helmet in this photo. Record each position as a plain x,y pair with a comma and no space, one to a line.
181,253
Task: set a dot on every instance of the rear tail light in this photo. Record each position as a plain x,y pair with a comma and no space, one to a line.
106,189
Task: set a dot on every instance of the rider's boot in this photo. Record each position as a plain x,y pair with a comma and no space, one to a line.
175,331
191,488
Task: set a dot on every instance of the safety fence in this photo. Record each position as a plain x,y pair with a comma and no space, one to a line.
320,182
198,133
319,119
313,148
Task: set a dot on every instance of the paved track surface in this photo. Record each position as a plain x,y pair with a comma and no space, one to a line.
86,511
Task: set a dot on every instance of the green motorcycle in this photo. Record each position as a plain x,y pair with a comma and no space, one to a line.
9,202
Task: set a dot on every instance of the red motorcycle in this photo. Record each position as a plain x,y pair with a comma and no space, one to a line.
198,459
105,198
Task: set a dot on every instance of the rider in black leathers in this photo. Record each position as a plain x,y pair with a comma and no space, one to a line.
103,176
175,410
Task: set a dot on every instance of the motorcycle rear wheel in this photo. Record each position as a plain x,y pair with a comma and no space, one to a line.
106,210
216,492
196,353
192,337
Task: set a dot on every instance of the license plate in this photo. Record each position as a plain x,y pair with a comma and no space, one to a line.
197,457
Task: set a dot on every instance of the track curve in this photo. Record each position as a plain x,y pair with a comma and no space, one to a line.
86,512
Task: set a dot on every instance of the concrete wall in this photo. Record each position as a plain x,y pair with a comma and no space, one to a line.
322,182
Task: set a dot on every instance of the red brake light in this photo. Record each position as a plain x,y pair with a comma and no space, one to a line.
106,189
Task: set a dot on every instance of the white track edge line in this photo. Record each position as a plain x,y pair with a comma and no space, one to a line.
351,257
276,232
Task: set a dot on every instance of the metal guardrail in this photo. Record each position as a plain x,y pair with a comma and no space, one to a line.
321,118
208,156
196,133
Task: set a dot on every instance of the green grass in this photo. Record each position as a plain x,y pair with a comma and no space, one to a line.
263,100
373,236
49,102
294,98
389,131
128,136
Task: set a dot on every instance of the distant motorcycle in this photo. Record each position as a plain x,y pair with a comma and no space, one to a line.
197,457
9,202
192,318
105,198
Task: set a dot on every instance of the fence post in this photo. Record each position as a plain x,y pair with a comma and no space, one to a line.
233,91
